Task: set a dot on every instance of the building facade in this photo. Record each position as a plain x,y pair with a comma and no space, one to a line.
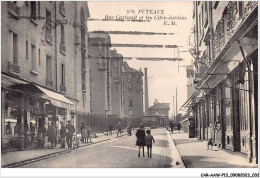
116,63
100,82
132,92
157,115
41,47
226,80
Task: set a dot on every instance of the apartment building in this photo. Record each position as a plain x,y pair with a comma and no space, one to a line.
43,47
226,75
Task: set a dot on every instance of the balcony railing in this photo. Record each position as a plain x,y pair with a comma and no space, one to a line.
62,9
13,68
102,66
63,49
14,10
63,88
49,83
48,37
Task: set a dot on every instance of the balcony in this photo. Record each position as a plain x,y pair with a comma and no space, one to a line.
14,10
62,49
13,68
102,66
62,9
49,83
83,87
62,88
48,37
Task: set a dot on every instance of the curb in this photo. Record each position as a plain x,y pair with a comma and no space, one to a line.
174,149
52,155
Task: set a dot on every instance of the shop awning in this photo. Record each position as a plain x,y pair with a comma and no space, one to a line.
57,99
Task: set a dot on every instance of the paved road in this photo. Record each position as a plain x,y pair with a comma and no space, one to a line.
117,153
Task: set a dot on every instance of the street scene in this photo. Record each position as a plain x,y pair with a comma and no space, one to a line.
129,84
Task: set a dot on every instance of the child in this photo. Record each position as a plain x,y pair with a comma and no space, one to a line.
149,138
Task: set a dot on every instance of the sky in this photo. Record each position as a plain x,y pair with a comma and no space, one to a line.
163,76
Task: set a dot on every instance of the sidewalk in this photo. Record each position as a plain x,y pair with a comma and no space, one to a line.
17,158
195,155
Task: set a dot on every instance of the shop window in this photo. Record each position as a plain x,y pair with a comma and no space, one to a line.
99,49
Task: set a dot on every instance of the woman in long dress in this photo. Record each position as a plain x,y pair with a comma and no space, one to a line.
140,134
218,134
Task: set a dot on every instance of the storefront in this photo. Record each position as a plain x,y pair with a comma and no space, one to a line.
28,109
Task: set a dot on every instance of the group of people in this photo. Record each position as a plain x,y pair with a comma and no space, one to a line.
85,133
171,125
144,140
66,133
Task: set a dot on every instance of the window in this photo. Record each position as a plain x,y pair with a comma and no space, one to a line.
27,50
39,8
241,9
84,99
48,21
48,68
15,48
62,34
33,10
39,56
62,74
33,57
130,103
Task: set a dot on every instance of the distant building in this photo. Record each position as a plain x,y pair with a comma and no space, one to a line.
116,63
157,115
132,92
100,90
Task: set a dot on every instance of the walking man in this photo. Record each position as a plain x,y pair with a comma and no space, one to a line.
62,135
70,130
118,128
171,126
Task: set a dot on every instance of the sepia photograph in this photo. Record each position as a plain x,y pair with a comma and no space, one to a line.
130,84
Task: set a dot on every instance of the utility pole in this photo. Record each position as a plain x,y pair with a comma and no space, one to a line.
176,103
174,116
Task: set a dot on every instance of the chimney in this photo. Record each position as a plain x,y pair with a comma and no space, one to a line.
146,102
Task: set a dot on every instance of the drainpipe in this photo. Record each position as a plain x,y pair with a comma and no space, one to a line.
55,45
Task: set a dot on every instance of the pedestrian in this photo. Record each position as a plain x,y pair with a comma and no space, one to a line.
140,134
32,130
118,128
52,134
62,135
70,131
41,136
88,133
171,126
110,129
210,136
179,127
129,129
149,143
8,128
83,127
218,134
